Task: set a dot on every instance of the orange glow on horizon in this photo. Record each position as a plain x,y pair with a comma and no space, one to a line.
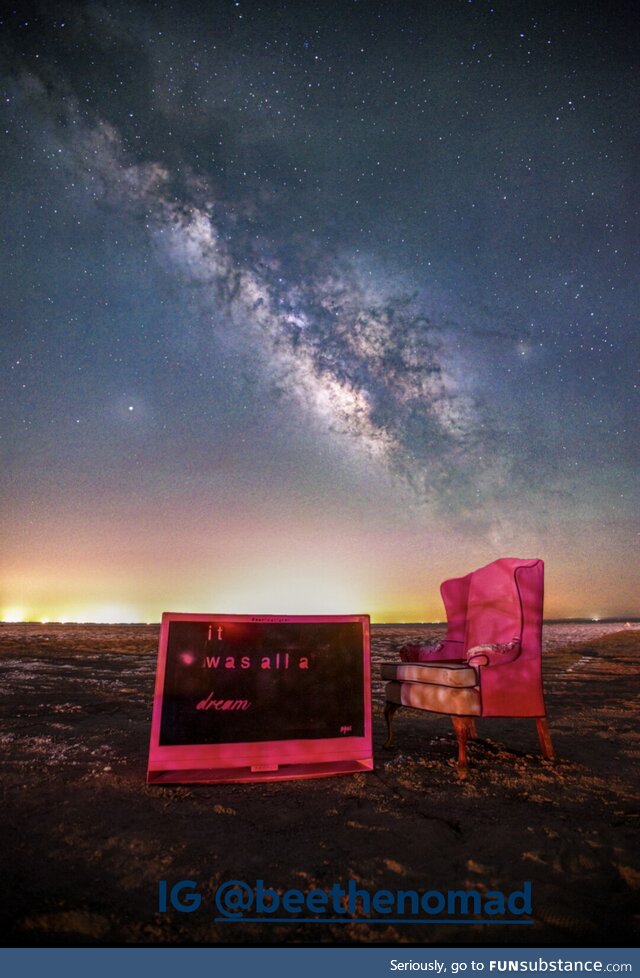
285,557
266,601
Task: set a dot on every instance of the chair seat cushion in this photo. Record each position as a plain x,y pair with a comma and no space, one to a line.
457,700
441,673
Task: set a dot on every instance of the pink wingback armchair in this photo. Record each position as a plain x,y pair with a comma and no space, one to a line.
489,663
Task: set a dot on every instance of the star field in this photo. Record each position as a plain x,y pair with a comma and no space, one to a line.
307,306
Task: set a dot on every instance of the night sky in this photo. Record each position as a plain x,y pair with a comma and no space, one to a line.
307,306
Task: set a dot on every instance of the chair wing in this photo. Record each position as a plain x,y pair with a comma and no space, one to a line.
455,597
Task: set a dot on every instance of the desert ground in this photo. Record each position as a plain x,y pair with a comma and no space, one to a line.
86,841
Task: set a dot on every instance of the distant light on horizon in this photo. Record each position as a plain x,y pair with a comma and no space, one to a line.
103,614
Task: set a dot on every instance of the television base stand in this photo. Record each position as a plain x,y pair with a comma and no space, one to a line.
238,775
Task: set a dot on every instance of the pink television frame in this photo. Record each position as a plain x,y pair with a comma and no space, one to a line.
272,760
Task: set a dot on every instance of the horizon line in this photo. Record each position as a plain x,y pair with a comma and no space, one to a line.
600,620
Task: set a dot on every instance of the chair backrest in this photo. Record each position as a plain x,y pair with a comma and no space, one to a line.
494,609
495,604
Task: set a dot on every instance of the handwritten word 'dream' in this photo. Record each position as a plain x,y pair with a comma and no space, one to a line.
211,703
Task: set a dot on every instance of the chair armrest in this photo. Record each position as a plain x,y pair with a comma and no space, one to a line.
420,653
498,654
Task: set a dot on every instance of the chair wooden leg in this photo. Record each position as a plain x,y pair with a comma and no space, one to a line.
389,713
545,738
471,727
461,727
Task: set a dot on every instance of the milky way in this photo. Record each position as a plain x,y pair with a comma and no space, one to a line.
386,252
370,365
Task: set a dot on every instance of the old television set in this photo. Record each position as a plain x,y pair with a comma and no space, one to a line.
260,697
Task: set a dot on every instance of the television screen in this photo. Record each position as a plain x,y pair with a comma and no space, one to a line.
248,697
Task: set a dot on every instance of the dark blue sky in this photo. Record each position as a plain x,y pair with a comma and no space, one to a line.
308,306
